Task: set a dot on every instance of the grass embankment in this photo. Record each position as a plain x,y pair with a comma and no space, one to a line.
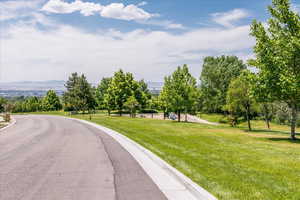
230,163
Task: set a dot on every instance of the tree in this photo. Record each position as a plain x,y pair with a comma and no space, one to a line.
132,104
79,95
101,91
32,104
217,73
120,89
142,94
51,101
2,104
179,92
277,53
163,102
239,98
268,110
69,97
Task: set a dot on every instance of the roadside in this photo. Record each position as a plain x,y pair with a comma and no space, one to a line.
160,116
230,163
6,121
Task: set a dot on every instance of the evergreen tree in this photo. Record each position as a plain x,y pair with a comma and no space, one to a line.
79,95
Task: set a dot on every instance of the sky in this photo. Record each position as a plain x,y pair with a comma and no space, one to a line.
49,39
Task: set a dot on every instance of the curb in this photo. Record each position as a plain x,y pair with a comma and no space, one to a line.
13,121
174,184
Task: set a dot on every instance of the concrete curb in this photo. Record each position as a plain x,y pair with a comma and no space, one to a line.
12,122
174,184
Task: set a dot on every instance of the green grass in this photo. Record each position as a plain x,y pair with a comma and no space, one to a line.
257,124
231,163
212,117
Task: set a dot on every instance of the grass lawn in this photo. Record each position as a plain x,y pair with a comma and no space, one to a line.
212,117
231,163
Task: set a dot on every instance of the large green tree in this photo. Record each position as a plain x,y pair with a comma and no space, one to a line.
179,92
120,89
277,52
142,94
101,90
79,95
132,104
51,101
32,104
217,73
69,97
239,98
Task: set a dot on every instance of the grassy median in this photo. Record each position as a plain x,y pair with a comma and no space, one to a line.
230,163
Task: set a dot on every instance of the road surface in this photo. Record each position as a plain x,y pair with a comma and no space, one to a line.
53,158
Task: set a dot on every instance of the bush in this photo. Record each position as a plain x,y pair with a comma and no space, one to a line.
145,111
6,117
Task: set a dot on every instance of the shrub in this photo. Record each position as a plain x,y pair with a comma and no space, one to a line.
6,117
148,111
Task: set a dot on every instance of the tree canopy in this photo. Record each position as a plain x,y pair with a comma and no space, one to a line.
179,91
101,90
79,95
277,52
217,73
239,98
51,101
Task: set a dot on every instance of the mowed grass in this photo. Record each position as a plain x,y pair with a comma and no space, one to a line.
230,163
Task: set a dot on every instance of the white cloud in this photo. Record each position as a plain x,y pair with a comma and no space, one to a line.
167,24
54,54
59,6
14,9
143,3
113,10
227,19
120,11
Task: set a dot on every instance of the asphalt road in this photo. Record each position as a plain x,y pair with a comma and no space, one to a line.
52,158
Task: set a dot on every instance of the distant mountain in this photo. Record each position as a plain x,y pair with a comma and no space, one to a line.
33,85
39,88
55,85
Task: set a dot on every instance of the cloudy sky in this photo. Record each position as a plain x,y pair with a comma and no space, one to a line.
49,39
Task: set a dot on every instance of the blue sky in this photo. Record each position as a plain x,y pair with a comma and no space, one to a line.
49,39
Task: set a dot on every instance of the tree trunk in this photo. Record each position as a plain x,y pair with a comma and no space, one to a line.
185,117
164,115
108,112
248,117
268,123
293,121
178,113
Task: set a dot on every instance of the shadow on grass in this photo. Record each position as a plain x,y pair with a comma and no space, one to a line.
297,141
267,131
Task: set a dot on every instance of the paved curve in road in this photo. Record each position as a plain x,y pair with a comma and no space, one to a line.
52,158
